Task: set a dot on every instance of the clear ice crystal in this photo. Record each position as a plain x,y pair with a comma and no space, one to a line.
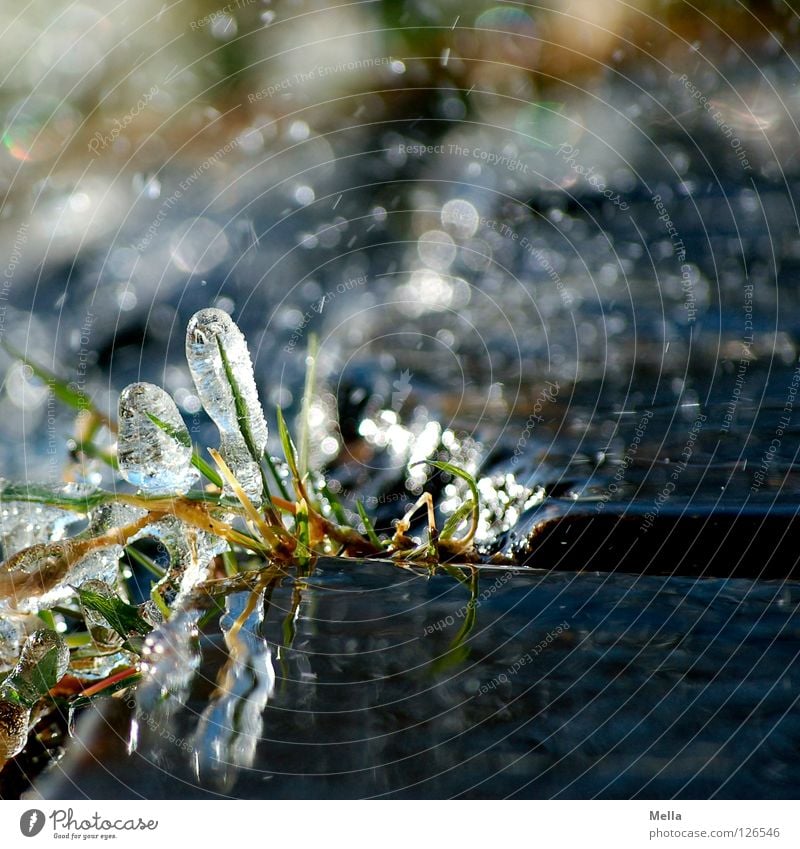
103,634
95,667
40,644
14,720
44,654
12,633
36,563
102,564
214,347
25,579
191,552
153,456
25,523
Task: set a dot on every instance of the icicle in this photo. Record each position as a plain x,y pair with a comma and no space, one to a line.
218,357
154,447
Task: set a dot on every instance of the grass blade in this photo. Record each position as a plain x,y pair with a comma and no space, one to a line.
242,414
269,534
302,533
54,496
183,439
278,479
336,506
74,398
230,562
308,396
158,601
289,451
459,649
144,561
180,436
473,487
453,521
368,526
119,681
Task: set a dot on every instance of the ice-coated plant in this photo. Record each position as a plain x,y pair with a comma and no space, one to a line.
206,515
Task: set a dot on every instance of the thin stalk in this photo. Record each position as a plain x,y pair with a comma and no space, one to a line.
308,396
144,561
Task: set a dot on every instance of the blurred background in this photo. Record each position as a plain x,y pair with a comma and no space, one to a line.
462,199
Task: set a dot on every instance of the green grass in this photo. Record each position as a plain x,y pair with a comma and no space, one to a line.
295,524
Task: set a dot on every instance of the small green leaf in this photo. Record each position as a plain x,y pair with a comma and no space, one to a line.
122,617
452,523
29,682
368,526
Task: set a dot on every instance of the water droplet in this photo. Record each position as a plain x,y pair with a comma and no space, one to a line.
304,195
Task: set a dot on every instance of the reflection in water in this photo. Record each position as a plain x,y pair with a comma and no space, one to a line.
230,727
519,683
172,656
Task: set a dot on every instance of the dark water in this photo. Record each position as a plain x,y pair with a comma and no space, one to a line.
633,686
